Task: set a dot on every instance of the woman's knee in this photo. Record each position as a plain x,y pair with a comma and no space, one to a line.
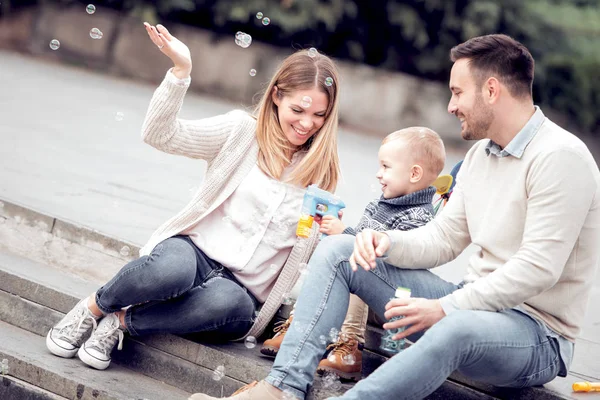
172,263
227,299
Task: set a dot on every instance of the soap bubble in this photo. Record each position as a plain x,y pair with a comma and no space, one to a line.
312,52
218,373
303,268
125,251
349,359
266,21
344,337
288,395
252,72
287,300
331,381
250,342
96,33
259,15
54,44
331,357
328,81
306,101
90,9
298,326
119,116
243,40
333,335
375,187
323,340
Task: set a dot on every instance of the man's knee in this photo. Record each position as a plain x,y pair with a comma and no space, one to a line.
459,328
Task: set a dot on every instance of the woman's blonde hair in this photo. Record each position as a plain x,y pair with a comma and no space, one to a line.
300,71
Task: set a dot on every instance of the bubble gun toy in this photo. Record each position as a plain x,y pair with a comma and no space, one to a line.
586,387
317,202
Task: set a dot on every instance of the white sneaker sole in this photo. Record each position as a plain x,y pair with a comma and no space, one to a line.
90,360
58,350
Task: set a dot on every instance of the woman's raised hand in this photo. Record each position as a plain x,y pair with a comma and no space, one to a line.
173,48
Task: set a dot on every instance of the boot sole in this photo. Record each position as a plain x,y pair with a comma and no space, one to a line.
349,376
269,351
92,361
57,350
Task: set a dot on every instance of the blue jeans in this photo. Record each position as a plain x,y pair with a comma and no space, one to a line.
178,289
506,348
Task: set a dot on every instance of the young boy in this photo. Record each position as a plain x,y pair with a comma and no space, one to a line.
410,160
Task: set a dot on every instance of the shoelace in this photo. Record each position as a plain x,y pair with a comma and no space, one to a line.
281,327
74,324
104,339
341,347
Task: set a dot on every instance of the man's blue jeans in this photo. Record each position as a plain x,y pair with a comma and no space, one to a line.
506,348
178,289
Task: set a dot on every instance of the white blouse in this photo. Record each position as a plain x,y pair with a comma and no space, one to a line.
252,232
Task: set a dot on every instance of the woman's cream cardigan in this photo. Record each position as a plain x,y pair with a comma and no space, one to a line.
228,144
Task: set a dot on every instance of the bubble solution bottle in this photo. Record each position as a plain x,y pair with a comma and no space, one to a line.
387,343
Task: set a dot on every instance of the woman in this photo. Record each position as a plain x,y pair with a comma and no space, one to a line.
233,247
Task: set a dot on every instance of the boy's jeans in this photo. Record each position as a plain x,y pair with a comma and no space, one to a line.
178,289
506,348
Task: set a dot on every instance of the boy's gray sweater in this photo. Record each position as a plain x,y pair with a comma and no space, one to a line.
400,213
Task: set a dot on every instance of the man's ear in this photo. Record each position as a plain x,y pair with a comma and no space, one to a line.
491,90
275,95
416,173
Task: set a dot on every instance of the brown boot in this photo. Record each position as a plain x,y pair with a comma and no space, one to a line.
253,391
344,360
271,346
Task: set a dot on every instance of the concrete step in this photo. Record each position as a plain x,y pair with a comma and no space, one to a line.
12,388
30,362
43,294
34,297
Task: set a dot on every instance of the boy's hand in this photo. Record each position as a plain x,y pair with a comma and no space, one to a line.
331,225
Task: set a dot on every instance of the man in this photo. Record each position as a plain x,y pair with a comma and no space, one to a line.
527,195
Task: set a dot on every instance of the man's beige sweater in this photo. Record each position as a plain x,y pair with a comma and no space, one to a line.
537,222
228,144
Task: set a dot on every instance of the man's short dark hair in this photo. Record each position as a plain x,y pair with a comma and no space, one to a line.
501,56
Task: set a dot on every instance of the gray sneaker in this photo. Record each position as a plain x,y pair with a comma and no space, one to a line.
65,338
95,352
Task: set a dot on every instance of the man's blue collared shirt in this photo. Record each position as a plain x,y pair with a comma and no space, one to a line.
517,146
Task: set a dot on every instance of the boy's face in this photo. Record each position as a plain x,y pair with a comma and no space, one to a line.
395,169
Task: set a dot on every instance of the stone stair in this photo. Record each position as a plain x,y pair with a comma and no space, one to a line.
38,287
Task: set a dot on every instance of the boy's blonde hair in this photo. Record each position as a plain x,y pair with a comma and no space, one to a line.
320,166
426,148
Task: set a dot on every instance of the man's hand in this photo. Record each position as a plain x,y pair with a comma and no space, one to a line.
330,225
420,314
369,245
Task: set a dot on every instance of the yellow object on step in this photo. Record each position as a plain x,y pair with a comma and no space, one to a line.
443,184
586,387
